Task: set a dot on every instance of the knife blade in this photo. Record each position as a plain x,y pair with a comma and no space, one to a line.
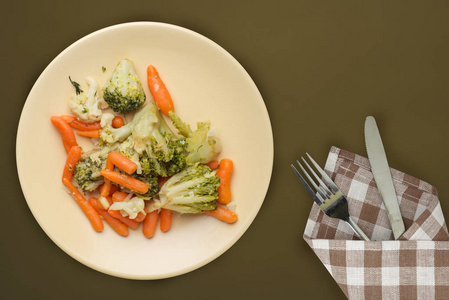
382,176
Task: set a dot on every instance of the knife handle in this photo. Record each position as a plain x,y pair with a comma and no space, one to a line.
357,229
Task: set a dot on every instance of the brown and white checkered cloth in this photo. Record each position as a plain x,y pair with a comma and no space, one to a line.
414,267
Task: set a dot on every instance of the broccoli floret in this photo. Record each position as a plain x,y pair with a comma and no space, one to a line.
153,186
149,142
178,158
87,174
192,190
202,144
123,90
87,170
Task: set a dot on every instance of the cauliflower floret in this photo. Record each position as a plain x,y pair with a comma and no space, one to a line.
130,207
106,119
86,105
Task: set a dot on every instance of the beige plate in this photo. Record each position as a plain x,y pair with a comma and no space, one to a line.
206,83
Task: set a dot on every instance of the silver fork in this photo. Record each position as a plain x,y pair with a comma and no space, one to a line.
331,201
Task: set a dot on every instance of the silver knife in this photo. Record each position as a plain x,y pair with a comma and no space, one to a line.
382,175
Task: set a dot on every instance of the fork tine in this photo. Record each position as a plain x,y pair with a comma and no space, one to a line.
307,186
317,188
326,177
322,185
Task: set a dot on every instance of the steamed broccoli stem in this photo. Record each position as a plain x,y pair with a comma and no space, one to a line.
182,127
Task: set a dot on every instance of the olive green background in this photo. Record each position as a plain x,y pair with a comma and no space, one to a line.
321,67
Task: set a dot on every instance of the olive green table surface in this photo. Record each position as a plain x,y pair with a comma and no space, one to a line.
321,67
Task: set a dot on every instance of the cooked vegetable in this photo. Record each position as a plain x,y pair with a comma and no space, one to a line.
68,137
117,122
191,191
126,181
87,170
89,133
86,105
122,162
116,224
123,90
87,208
225,172
72,159
202,144
105,189
166,217
150,223
223,214
213,164
148,141
77,124
125,197
151,182
130,223
130,207
158,90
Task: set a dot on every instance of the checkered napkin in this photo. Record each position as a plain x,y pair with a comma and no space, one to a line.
414,267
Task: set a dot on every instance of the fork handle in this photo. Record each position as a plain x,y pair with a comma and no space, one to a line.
357,229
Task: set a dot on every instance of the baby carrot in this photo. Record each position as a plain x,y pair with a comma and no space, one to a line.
87,208
159,91
223,214
225,172
122,162
116,224
72,160
119,196
68,137
113,189
166,217
149,224
130,223
89,133
79,125
117,122
105,189
126,181
213,164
